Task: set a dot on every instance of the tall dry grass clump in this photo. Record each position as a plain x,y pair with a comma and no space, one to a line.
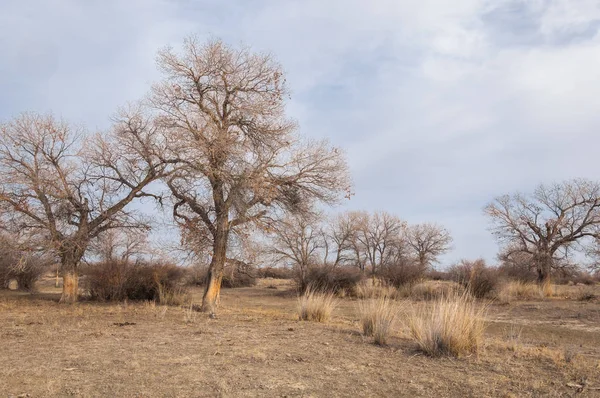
454,325
316,306
517,290
377,318
366,289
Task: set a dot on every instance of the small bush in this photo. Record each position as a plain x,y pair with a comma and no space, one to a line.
25,268
120,280
331,279
275,273
401,274
237,279
453,326
377,318
586,293
196,274
435,275
316,306
479,279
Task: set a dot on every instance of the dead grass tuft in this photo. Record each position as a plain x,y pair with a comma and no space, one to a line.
453,326
377,318
367,290
431,290
316,306
516,290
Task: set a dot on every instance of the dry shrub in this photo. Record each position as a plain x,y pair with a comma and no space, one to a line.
586,293
331,279
25,268
367,289
475,276
401,274
377,318
431,290
316,306
275,273
234,279
120,280
436,275
454,325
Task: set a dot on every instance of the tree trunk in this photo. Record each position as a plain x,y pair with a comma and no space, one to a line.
69,261
70,286
543,267
215,269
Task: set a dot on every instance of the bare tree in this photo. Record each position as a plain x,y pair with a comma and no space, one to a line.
549,224
121,244
381,238
427,242
298,242
66,189
338,238
241,161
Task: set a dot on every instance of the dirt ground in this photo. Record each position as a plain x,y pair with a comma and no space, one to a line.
256,347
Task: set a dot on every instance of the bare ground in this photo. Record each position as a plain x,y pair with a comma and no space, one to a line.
256,347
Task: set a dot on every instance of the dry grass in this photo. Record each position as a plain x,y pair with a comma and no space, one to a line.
515,290
175,296
377,318
431,290
316,306
453,326
368,290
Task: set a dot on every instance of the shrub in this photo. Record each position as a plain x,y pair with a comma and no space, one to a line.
25,268
377,318
586,293
195,275
119,280
331,279
479,279
235,278
453,326
435,275
316,306
401,274
275,273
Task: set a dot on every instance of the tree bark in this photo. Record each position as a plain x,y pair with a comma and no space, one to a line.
543,267
70,258
215,269
70,291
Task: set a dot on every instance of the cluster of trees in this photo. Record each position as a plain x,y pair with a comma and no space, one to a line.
213,132
367,241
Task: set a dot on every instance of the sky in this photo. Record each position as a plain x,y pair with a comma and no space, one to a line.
439,105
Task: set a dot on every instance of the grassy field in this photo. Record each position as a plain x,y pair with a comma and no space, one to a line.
257,347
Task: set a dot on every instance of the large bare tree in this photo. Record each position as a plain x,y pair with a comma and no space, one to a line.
241,159
65,188
428,241
549,224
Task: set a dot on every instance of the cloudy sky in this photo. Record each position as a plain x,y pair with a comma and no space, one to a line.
440,105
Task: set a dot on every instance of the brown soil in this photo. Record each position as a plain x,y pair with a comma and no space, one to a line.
257,347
